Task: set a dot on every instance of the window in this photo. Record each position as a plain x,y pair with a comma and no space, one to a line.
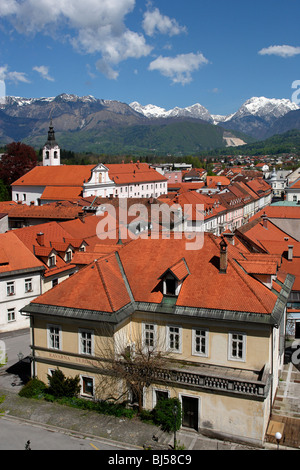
87,386
149,335
52,261
47,155
86,341
200,342
54,337
28,285
171,285
24,197
10,288
174,338
11,315
54,282
68,256
237,346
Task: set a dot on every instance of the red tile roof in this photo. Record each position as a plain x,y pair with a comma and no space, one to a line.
14,255
102,286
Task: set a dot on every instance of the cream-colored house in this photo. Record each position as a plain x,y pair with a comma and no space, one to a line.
210,312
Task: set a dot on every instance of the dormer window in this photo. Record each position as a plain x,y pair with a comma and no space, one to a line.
173,277
170,286
52,261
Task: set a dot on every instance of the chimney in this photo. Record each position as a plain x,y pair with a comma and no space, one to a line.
81,216
265,220
290,252
40,238
229,236
223,257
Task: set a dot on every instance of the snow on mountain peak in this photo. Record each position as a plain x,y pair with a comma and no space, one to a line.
266,107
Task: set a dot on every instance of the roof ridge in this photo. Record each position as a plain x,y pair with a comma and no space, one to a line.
104,283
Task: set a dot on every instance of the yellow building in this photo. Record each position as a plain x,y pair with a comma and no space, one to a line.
213,319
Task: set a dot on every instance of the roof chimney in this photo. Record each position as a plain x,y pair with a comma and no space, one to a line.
40,238
229,236
290,252
223,257
265,220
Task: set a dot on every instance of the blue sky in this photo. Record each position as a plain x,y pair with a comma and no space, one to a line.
169,52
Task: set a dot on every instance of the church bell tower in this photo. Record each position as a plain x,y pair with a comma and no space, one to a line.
51,151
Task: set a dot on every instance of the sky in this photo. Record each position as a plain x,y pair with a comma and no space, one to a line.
168,53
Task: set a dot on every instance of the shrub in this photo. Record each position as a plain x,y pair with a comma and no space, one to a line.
34,388
61,386
164,414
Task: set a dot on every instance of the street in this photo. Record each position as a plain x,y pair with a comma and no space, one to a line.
14,434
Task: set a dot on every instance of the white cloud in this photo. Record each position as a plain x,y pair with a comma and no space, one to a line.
179,69
282,51
12,76
91,26
154,22
43,70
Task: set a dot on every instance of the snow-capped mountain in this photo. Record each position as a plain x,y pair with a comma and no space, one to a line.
254,117
265,107
196,111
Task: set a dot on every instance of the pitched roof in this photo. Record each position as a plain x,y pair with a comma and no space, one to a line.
14,255
63,175
107,284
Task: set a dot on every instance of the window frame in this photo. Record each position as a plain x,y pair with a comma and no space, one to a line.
206,339
82,386
82,331
243,341
169,348
28,282
49,339
10,288
9,312
149,347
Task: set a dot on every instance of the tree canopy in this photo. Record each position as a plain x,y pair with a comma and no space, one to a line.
18,159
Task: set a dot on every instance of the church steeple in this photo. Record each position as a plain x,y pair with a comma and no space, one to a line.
51,134
51,151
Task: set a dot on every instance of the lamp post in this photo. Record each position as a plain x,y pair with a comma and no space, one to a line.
278,436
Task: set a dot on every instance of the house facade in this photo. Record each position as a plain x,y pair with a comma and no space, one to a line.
20,281
224,351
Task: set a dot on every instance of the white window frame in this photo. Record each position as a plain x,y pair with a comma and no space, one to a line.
49,338
194,339
28,285
81,332
11,312
169,332
10,288
242,341
145,331
82,393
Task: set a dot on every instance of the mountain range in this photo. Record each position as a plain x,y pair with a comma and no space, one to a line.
88,124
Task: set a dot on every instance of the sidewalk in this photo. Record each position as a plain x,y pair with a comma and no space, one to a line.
134,434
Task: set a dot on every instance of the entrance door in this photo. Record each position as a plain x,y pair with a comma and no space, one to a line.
190,412
297,330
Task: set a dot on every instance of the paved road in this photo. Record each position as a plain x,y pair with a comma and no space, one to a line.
15,433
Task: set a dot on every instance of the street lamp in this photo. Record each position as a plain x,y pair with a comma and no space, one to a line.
278,436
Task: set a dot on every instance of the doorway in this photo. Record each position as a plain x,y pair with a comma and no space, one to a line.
190,411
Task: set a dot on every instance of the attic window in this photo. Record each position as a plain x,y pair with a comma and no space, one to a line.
170,286
52,261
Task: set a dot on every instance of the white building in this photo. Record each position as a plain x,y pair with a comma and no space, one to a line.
20,281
